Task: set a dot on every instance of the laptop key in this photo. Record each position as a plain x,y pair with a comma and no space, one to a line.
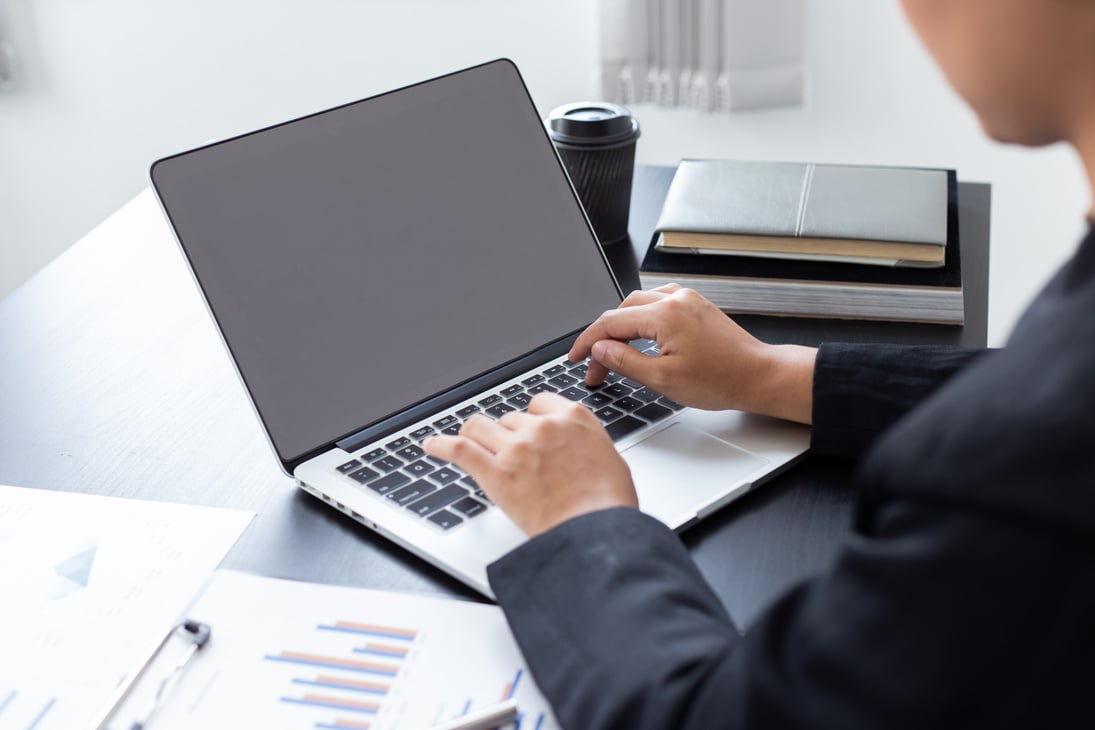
348,467
363,475
627,403
670,404
445,422
467,411
469,507
490,400
421,433
519,401
452,430
499,410
373,455
646,394
470,481
653,412
512,390
541,388
410,453
388,463
412,492
596,400
616,390
444,475
574,393
444,519
483,496
563,381
618,429
608,414
419,468
399,443
579,370
387,483
437,500
554,370
533,380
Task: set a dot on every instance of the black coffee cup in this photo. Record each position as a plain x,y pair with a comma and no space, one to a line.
596,141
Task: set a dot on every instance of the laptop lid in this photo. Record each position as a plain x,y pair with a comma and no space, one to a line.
380,258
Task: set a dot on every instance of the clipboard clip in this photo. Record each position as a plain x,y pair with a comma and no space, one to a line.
195,634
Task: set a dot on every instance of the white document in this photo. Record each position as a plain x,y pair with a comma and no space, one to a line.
88,585
286,654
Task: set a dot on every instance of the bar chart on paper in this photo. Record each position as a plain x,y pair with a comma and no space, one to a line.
298,655
354,685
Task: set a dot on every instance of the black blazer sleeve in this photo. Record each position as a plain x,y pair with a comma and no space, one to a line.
620,631
860,390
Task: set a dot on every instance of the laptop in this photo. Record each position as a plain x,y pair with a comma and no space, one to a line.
383,270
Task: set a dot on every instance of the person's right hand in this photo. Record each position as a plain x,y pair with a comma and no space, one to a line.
705,359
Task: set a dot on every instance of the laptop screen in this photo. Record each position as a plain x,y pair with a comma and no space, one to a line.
371,256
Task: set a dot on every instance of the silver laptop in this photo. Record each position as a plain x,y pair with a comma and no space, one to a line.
383,270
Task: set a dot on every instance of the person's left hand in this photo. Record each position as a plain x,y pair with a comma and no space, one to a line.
542,467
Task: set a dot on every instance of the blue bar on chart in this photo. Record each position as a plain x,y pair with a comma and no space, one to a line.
385,632
14,711
353,685
329,662
350,685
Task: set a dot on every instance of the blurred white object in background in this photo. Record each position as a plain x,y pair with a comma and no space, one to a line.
711,55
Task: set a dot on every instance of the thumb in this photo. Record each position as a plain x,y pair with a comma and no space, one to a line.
623,359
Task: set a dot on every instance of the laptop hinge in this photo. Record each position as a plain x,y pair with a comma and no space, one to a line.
416,413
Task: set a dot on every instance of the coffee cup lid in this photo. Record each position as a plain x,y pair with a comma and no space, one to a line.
593,123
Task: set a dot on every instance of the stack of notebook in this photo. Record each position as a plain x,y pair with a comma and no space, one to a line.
798,239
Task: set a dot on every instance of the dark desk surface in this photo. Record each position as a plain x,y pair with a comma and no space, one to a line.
113,381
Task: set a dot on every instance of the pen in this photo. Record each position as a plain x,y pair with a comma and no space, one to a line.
490,716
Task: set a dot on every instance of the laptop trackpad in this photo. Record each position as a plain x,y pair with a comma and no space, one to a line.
681,469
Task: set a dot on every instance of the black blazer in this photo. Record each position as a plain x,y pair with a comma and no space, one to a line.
965,597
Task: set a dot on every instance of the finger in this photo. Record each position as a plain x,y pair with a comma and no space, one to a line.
668,288
466,453
543,404
487,432
514,420
617,324
640,297
610,355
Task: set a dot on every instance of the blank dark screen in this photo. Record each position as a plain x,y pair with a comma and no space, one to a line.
371,256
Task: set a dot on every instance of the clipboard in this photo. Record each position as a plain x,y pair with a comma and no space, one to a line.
308,655
191,636
291,653
194,635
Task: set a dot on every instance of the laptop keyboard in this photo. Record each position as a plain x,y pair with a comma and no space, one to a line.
443,494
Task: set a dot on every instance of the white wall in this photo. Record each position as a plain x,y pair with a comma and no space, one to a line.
109,85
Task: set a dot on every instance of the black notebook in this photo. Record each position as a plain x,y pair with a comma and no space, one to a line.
755,285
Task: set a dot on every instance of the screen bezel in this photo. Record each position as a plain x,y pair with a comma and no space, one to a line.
409,413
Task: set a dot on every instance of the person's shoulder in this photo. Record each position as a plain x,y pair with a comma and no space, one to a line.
1010,434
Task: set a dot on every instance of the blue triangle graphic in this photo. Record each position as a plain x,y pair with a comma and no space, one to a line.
77,568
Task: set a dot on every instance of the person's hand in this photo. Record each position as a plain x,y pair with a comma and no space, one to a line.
542,467
706,360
